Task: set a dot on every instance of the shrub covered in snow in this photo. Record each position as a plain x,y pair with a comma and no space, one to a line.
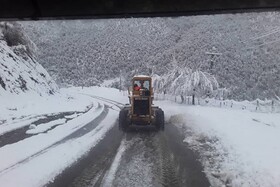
14,36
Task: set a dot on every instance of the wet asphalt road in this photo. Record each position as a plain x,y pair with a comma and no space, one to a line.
20,134
139,157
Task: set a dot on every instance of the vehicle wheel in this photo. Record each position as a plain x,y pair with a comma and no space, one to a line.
123,119
160,119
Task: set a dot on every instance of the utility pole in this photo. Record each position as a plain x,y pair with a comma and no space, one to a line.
193,97
120,87
213,57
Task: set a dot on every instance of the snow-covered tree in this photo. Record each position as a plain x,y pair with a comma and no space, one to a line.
185,82
249,65
13,34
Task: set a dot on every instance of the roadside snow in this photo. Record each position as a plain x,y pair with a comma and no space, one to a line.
13,125
39,170
237,147
17,111
109,93
39,142
46,126
72,116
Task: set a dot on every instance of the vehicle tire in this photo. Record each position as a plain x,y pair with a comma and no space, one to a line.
159,119
123,119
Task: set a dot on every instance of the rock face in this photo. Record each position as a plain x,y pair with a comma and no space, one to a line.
19,70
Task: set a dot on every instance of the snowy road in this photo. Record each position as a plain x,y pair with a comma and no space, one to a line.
139,157
87,149
78,143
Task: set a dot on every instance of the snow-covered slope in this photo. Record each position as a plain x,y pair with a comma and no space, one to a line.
240,50
19,70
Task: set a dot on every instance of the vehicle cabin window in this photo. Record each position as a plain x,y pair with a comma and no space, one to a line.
143,84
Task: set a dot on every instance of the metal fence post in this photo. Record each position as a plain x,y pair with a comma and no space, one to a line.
258,104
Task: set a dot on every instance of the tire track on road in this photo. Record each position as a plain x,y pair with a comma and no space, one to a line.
151,159
160,158
115,103
91,169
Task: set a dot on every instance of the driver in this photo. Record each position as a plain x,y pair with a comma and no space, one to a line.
142,85
136,87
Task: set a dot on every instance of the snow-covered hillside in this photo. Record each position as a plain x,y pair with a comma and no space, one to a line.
240,50
19,70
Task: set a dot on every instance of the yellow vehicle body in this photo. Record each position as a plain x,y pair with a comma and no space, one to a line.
141,111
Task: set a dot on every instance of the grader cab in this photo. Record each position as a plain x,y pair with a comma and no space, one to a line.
140,111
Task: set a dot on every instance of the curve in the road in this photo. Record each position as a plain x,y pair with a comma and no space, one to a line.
20,134
115,103
78,133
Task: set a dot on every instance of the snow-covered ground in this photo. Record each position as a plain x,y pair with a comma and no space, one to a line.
254,106
236,146
36,160
17,111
